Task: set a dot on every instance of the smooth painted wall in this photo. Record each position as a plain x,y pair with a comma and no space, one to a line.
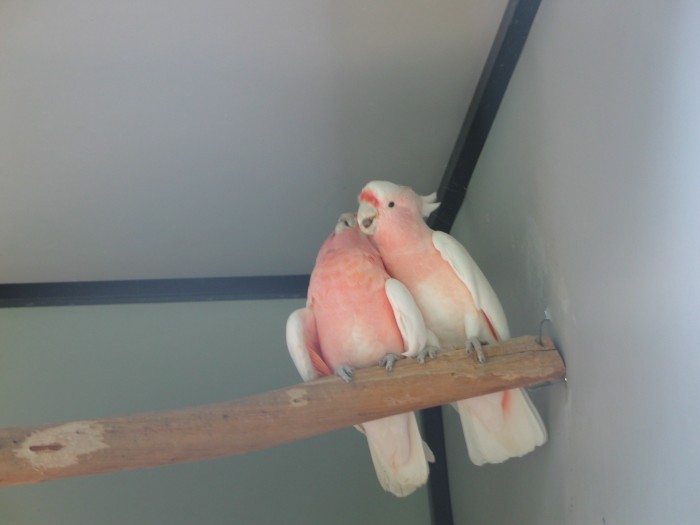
145,139
585,201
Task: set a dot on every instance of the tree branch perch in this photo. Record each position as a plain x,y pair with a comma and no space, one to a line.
41,453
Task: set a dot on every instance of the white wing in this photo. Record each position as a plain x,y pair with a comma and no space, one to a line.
302,343
485,298
408,317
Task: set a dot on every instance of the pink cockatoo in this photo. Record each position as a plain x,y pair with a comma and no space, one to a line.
459,307
357,316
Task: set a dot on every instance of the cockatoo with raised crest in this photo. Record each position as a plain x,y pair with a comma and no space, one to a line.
458,305
357,316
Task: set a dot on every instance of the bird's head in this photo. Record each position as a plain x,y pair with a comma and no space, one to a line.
346,221
345,236
386,202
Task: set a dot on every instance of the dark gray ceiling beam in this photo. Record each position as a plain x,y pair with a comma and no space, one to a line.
498,69
153,291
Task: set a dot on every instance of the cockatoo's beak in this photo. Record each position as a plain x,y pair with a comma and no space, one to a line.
346,221
367,218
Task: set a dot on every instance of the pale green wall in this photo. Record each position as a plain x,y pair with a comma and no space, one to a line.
67,363
586,201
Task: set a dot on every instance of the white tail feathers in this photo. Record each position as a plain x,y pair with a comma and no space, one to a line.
428,204
500,426
399,454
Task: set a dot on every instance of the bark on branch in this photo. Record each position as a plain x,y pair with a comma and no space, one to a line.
81,448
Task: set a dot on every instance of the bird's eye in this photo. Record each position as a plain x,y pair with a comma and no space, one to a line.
391,204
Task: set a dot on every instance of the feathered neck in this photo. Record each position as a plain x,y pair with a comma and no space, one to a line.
404,233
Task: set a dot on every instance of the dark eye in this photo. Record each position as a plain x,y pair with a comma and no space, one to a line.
391,204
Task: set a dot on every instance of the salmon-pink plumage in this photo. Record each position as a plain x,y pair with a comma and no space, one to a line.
459,307
356,315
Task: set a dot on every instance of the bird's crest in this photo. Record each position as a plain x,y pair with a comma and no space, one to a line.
429,204
381,189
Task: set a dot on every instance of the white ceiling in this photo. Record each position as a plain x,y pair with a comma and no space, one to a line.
158,138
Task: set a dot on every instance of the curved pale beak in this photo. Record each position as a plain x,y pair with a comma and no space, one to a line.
367,218
346,221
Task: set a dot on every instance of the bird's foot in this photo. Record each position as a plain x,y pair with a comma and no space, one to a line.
427,352
344,372
388,361
474,347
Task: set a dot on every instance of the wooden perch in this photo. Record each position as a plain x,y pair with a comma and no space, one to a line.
47,452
